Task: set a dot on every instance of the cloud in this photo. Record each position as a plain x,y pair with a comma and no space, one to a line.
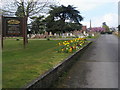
85,4
119,13
111,20
86,23
118,19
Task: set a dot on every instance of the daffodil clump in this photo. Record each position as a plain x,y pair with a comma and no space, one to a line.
71,45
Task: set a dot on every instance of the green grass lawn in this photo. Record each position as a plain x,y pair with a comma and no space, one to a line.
21,66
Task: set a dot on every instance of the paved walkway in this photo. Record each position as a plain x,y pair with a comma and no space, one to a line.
98,66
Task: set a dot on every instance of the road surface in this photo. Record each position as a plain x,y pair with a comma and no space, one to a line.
97,67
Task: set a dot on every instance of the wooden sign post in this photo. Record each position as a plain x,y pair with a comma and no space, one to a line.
14,27
2,34
2,41
24,21
1,38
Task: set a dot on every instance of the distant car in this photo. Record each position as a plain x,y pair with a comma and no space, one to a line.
110,32
106,32
103,32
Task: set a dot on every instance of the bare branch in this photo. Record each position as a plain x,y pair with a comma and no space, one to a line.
27,7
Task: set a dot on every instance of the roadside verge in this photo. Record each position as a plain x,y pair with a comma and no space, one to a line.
50,77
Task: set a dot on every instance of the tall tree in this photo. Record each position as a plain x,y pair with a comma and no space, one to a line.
105,27
118,27
61,14
66,13
38,25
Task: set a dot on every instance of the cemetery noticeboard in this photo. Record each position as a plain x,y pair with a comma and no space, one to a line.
12,26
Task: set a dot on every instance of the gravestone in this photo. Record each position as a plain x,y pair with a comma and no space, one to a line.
71,34
50,34
55,34
93,35
46,34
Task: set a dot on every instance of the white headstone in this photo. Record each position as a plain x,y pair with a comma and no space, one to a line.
87,34
63,34
67,34
55,34
93,35
70,34
50,33
84,33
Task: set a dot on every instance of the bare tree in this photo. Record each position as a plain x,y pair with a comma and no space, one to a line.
26,8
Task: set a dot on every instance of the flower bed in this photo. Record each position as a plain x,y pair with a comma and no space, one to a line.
71,45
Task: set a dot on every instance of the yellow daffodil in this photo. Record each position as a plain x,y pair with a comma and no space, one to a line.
70,45
62,50
70,50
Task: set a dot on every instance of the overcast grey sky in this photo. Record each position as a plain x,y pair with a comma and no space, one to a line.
98,11
119,13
